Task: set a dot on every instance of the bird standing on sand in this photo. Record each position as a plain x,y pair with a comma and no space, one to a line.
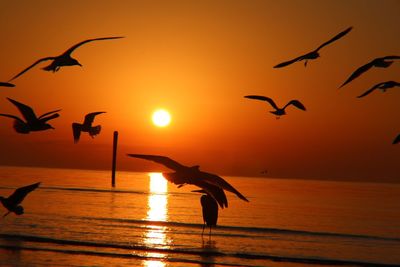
313,54
380,62
209,209
32,122
64,59
12,202
210,183
278,111
7,84
381,86
77,128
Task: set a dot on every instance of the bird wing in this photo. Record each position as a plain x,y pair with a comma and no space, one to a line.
7,84
31,66
12,116
76,130
70,50
48,113
263,98
391,57
219,182
215,192
370,90
296,103
56,115
283,64
19,194
358,72
167,162
89,118
26,111
337,37
396,140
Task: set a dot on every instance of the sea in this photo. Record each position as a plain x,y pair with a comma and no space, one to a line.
76,218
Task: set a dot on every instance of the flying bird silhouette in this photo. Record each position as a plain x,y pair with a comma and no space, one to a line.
278,111
77,128
380,62
192,175
381,86
32,122
209,209
7,84
12,202
396,140
64,59
313,54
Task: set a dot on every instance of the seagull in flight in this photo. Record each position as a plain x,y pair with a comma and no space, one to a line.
313,54
62,60
380,62
77,128
381,86
12,202
210,183
32,122
7,84
278,111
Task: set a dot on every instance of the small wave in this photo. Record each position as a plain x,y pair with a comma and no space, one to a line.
246,229
275,258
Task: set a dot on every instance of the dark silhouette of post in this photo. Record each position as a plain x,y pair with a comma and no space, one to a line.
114,159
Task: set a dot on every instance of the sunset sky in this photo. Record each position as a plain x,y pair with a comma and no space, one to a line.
197,59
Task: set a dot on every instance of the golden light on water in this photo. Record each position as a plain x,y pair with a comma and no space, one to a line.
157,203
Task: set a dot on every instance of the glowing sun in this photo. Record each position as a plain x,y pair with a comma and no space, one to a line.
161,118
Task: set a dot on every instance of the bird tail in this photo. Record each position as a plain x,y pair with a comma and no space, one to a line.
95,130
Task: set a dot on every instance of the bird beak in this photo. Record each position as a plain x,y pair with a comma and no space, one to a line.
80,64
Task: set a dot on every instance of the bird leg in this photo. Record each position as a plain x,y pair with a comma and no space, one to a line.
6,214
204,226
305,63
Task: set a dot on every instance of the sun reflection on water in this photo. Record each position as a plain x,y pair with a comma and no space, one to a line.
157,204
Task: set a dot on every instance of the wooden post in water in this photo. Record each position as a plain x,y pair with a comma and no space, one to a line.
114,158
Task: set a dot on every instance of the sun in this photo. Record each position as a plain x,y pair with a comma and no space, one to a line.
161,118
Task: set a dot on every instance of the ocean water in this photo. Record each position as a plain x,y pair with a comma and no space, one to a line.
75,218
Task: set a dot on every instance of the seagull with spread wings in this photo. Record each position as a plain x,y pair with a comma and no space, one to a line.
210,183
77,128
313,54
62,60
380,62
381,86
12,202
278,111
32,123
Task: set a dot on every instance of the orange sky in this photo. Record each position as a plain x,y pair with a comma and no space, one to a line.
198,59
